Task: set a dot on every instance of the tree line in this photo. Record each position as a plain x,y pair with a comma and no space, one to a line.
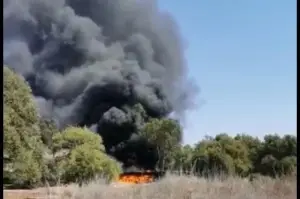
36,152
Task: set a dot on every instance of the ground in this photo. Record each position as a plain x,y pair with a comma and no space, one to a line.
172,187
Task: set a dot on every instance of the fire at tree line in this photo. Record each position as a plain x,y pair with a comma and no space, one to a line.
36,151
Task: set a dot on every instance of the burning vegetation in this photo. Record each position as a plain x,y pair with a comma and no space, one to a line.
139,177
135,179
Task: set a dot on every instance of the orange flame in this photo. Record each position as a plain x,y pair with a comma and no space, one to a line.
135,178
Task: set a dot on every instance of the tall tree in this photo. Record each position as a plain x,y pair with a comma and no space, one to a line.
166,135
23,149
183,159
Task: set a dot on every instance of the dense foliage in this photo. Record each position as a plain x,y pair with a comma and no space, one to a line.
80,155
23,149
35,151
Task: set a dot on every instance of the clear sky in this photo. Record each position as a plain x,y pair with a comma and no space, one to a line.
242,54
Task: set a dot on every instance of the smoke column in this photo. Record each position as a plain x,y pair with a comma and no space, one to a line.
106,64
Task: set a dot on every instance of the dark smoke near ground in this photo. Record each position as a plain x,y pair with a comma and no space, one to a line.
106,64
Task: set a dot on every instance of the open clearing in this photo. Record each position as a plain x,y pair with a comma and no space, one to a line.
171,187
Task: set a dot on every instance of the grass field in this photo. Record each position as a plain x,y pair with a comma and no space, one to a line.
171,187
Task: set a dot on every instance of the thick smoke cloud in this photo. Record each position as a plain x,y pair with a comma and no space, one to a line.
108,65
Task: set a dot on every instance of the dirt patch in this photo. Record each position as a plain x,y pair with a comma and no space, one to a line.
40,193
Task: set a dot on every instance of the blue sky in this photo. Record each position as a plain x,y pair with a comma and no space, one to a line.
243,56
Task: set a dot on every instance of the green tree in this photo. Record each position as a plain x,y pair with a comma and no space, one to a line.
289,145
183,159
224,154
165,134
23,149
287,165
238,151
268,165
210,159
275,155
80,156
48,130
253,145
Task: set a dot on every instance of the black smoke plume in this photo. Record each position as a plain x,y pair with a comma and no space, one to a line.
106,64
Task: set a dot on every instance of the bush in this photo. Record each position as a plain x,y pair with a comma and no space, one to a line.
80,156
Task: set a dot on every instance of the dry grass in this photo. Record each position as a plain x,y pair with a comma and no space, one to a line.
180,187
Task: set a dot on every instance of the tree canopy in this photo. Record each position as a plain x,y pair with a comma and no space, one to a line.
23,149
80,156
35,150
166,134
